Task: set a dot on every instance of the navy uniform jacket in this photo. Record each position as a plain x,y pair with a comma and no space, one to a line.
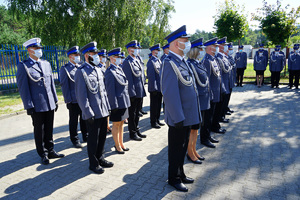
259,62
163,57
36,85
233,71
116,85
92,100
203,91
180,95
213,71
153,69
102,67
294,61
134,74
225,69
140,59
276,63
67,82
241,60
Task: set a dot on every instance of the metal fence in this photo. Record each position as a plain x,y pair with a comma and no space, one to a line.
11,55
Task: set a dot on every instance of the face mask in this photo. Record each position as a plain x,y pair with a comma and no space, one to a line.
297,51
139,51
96,59
225,48
123,60
217,50
241,50
118,61
77,59
158,54
135,52
187,47
201,54
38,53
103,60
230,52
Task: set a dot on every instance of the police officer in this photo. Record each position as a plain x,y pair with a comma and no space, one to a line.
202,83
153,68
266,55
213,70
241,64
294,67
259,64
102,55
276,64
166,52
181,105
67,82
232,73
117,92
37,90
92,99
134,73
225,68
142,112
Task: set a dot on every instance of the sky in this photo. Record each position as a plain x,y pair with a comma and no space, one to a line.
198,14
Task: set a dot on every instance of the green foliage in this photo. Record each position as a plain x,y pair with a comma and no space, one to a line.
11,31
230,22
252,37
202,34
277,23
112,23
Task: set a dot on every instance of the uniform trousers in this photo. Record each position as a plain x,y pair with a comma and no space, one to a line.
275,78
43,131
226,98
227,109
74,113
206,124
133,120
239,73
96,140
217,116
155,106
178,139
292,74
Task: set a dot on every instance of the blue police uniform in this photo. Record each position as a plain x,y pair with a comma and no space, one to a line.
259,62
241,64
101,65
294,66
135,75
276,64
140,59
181,108
67,82
93,101
37,91
153,69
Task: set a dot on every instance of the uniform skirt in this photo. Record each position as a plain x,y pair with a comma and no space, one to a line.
195,126
260,72
119,115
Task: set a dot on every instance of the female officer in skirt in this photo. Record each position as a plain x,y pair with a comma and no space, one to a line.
117,91
260,66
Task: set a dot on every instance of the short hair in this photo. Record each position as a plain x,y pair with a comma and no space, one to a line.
193,53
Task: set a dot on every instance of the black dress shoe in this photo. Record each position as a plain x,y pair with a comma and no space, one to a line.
187,180
155,125
213,140
221,130
97,170
119,152
135,137
231,111
53,154
144,112
208,144
160,123
140,114
193,161
45,160
179,186
105,163
224,120
141,135
228,113
201,158
125,149
78,145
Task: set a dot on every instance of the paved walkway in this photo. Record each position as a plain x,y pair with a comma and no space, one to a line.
258,157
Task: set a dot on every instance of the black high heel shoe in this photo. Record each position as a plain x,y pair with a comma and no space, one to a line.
119,152
126,149
201,158
196,161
